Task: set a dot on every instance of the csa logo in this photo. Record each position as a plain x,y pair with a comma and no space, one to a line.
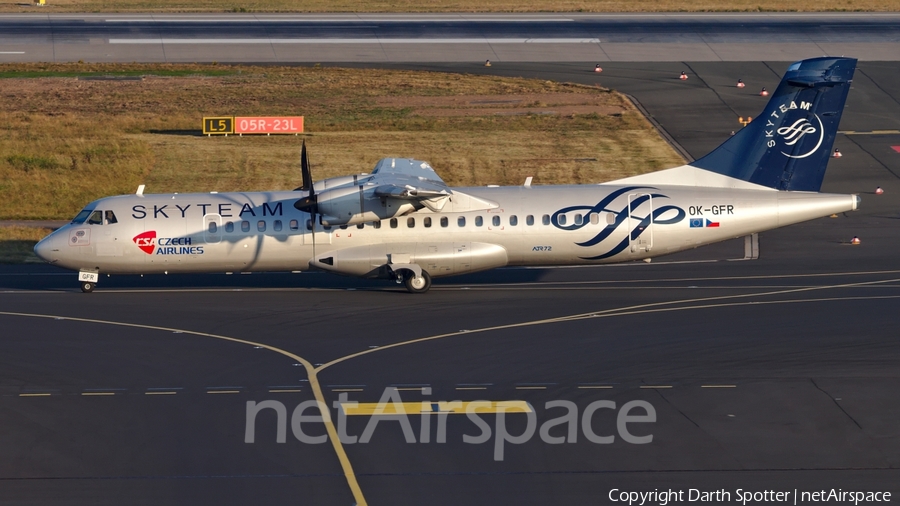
146,241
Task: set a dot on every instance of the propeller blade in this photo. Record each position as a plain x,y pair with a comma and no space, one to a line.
307,181
309,203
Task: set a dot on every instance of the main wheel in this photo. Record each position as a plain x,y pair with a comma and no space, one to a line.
417,284
87,287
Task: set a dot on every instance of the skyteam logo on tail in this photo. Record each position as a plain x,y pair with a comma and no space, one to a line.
797,134
631,216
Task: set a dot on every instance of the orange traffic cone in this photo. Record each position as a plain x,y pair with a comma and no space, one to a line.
764,93
683,76
855,240
487,63
597,68
740,83
878,191
837,154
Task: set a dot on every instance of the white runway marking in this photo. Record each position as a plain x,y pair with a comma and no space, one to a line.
477,40
12,52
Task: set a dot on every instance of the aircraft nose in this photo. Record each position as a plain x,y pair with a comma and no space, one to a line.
46,250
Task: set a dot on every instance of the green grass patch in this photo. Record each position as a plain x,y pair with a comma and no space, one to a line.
65,142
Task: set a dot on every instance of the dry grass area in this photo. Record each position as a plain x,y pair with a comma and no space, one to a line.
451,6
17,244
66,141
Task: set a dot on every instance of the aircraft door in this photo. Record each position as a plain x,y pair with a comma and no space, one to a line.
212,228
640,222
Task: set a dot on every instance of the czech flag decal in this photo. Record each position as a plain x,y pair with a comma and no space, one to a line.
701,223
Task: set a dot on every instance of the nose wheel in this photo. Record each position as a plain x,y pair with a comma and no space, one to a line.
416,284
87,287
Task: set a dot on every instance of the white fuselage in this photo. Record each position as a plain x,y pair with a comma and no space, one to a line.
539,225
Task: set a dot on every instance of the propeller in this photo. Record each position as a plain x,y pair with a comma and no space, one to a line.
309,203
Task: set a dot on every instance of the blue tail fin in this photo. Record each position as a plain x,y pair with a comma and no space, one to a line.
787,146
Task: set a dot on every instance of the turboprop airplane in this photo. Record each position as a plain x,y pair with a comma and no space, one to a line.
402,222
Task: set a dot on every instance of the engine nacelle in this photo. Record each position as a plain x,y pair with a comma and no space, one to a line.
351,205
437,258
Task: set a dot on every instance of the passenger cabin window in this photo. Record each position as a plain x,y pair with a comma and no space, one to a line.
479,221
393,222
578,219
513,220
110,218
461,221
276,226
445,222
545,219
294,224
610,219
245,226
496,221
261,226
562,219
529,220
229,227
308,224
427,221
410,222
595,218
96,218
83,215
213,228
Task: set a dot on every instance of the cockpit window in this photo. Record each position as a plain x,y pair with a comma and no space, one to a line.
96,218
78,220
110,217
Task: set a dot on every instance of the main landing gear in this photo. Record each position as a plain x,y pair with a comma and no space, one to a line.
416,284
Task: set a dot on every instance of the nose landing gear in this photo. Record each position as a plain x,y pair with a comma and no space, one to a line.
88,280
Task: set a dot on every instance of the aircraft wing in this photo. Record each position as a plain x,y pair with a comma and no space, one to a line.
408,179
359,199
415,169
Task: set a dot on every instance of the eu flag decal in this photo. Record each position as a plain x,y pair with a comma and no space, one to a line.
696,222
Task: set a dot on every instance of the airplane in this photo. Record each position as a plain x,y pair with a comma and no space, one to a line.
402,222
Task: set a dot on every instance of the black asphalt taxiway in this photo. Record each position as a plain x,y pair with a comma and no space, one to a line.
777,374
